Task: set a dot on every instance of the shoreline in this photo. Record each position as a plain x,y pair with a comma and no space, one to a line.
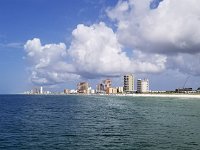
128,95
163,95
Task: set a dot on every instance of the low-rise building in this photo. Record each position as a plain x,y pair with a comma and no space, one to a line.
198,90
92,91
120,89
111,90
183,90
66,91
72,91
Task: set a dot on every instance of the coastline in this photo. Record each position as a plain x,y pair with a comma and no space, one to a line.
163,95
197,96
178,95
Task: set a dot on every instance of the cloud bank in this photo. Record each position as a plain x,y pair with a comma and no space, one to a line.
48,65
150,37
171,30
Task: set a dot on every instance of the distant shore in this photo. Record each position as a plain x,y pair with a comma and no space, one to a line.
179,95
153,95
163,95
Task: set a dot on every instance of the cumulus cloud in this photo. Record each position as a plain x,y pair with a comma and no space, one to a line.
187,63
170,28
155,3
151,36
48,62
94,52
148,63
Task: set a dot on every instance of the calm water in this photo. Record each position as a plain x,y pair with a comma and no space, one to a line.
98,122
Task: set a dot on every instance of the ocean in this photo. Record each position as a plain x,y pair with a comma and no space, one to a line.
39,122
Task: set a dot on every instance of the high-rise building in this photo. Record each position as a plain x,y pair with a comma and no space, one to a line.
142,85
104,86
41,90
100,88
107,84
128,83
82,87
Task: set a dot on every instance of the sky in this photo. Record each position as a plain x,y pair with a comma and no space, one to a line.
58,43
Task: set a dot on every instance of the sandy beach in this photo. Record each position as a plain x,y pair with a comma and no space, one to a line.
163,95
134,95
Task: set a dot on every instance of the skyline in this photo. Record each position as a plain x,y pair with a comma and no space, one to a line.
60,43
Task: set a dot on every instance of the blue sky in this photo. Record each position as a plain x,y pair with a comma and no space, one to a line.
53,21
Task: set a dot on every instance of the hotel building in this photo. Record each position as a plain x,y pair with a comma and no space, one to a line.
142,86
128,83
107,84
83,87
100,88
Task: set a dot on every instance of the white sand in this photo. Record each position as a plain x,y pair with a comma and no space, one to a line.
162,95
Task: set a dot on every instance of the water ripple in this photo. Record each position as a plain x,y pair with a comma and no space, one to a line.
98,122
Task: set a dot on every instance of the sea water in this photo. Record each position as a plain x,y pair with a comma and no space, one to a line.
37,122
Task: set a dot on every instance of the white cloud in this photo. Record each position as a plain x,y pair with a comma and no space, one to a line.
173,23
48,62
187,63
171,30
166,37
148,63
94,52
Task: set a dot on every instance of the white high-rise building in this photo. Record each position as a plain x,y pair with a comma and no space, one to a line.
41,90
142,86
128,83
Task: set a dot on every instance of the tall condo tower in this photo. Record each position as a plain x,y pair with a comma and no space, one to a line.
41,90
142,86
128,83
